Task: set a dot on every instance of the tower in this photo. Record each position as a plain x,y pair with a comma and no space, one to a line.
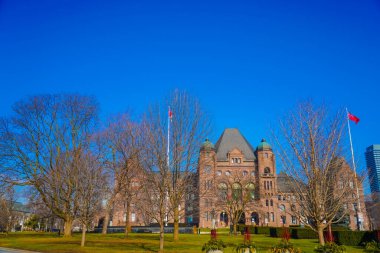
372,156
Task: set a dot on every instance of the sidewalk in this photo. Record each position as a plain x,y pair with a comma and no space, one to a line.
8,250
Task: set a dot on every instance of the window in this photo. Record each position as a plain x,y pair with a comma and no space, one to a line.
207,169
252,173
228,173
267,170
236,191
283,219
208,184
236,160
270,184
222,191
279,197
266,202
282,208
271,202
266,155
219,173
351,184
245,173
272,216
251,190
133,217
294,219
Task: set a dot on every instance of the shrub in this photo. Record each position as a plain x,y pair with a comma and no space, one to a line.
213,244
240,248
351,238
303,233
330,247
285,247
372,247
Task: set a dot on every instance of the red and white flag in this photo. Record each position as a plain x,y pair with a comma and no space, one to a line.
170,114
353,118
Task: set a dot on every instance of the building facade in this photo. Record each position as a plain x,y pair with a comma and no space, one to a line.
233,167
372,156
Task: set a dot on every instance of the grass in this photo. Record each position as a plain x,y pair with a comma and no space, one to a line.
114,243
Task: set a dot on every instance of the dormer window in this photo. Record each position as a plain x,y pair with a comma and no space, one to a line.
235,160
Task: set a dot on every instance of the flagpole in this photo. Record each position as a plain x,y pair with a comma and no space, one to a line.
354,166
168,163
167,152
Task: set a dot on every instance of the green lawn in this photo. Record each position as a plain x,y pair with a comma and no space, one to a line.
48,242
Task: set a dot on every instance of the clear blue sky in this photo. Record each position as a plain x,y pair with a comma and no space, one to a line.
247,61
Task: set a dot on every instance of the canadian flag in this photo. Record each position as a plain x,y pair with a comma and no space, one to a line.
170,114
353,118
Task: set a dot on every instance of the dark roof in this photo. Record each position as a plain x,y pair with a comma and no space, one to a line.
230,139
283,183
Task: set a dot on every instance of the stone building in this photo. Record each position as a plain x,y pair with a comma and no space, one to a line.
232,167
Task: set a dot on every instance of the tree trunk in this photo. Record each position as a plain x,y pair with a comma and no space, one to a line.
320,234
235,229
67,227
84,228
105,222
176,224
161,238
127,222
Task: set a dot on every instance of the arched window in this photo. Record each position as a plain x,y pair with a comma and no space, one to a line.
267,170
282,208
236,191
271,202
251,190
223,191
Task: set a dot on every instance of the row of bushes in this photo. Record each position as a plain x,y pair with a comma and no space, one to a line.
356,238
343,237
295,232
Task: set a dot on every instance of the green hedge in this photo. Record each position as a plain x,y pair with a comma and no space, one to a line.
344,237
355,238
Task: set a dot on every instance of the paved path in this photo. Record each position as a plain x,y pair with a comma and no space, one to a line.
7,250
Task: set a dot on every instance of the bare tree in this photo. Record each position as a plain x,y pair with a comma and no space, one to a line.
189,127
235,194
90,191
41,144
310,151
156,177
7,213
123,138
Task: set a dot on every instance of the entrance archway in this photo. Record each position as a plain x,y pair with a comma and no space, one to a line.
255,218
223,217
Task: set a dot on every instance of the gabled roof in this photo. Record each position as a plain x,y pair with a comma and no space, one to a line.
231,138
